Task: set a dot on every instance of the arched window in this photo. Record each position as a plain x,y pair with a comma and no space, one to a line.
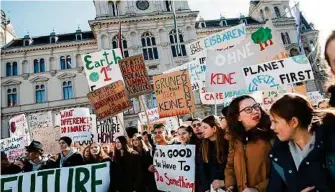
178,49
104,42
36,66
53,40
294,52
149,46
62,62
277,12
68,62
8,69
262,15
203,25
42,65
111,8
11,97
14,68
115,44
283,38
67,90
288,40
40,93
65,62
267,13
168,5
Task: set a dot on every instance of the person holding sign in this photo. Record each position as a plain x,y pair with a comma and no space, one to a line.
248,164
213,152
302,148
68,157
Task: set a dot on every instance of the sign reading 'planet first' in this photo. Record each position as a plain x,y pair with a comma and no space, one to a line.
102,68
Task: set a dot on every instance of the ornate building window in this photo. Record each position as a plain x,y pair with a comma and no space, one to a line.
40,93
11,69
39,65
11,97
67,90
115,44
277,12
149,46
65,62
178,49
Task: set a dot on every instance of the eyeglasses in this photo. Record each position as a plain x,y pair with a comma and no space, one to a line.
195,125
249,109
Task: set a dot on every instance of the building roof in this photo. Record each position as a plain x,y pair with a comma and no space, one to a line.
304,22
230,22
43,40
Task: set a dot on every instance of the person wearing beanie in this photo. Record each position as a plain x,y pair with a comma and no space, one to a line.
68,157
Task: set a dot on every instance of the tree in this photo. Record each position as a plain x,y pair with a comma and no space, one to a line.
262,35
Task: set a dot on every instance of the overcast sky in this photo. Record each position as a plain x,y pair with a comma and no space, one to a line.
41,17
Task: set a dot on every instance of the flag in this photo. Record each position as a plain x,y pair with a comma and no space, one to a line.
178,50
298,25
119,35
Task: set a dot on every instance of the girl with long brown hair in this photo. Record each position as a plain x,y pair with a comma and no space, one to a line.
97,154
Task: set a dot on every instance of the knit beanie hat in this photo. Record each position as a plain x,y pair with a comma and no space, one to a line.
67,140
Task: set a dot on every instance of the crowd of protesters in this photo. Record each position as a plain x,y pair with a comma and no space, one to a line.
290,147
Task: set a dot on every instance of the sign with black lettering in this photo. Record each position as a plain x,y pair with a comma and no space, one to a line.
175,165
108,130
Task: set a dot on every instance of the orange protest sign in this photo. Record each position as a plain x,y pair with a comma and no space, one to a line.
135,75
109,100
174,94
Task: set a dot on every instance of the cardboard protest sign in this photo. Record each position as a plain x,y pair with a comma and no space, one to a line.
42,129
153,115
110,100
175,165
75,123
135,75
102,68
18,126
279,72
170,123
220,40
108,130
195,73
271,95
225,69
93,130
14,147
314,97
91,177
174,94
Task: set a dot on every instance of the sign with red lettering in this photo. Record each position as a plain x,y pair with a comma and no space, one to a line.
14,147
175,165
174,94
135,75
110,100
75,123
211,98
18,126
271,95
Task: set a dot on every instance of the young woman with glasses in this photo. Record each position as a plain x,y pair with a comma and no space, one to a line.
248,164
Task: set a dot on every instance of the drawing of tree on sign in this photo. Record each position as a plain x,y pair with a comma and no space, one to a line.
262,35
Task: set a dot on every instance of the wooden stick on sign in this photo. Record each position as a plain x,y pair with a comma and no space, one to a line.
144,107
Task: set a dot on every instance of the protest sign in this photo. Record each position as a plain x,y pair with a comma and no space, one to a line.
135,75
93,130
170,123
14,147
75,123
271,95
108,130
153,115
18,126
92,177
42,130
278,72
110,100
225,69
175,165
194,70
102,68
315,97
220,40
174,94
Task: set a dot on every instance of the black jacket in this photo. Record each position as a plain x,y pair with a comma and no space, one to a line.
74,159
11,169
313,170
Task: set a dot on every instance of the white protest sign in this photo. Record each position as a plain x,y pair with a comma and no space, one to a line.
224,71
18,126
175,165
14,147
75,123
152,115
102,68
109,129
195,72
42,130
171,123
315,97
277,73
271,95
93,130
220,40
92,177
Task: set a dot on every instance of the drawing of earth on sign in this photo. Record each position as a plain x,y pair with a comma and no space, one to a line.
94,76
262,82
300,59
263,37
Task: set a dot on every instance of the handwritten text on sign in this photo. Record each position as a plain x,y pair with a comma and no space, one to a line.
152,115
174,94
220,40
102,68
135,75
109,129
280,72
14,147
75,123
110,100
18,126
175,165
93,178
